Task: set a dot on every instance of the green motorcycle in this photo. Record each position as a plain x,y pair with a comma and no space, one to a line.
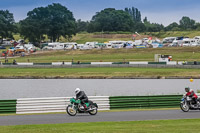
76,107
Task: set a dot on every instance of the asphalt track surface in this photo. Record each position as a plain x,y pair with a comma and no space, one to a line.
100,117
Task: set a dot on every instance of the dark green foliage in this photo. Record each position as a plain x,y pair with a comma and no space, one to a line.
172,26
6,24
82,26
134,13
110,19
54,20
186,23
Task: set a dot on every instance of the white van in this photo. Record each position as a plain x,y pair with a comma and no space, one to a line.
186,42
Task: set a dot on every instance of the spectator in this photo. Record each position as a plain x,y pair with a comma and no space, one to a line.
14,62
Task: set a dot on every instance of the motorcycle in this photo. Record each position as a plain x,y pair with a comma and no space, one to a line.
188,104
76,107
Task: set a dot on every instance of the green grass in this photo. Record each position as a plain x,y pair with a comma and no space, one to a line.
105,37
97,72
158,126
112,55
190,34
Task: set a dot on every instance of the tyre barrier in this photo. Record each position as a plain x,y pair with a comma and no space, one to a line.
8,106
54,104
144,101
59,104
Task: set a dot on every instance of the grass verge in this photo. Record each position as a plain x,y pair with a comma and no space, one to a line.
159,126
111,55
98,72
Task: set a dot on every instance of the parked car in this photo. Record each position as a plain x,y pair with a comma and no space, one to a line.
19,48
2,47
174,44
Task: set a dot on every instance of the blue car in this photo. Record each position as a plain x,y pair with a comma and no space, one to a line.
1,47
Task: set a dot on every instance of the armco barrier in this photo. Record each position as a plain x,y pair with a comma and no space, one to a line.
7,106
54,104
144,101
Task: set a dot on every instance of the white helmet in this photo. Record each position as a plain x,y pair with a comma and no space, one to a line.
77,91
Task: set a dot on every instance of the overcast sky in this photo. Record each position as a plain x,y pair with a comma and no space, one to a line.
160,11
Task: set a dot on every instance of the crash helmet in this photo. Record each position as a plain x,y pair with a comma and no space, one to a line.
77,90
187,89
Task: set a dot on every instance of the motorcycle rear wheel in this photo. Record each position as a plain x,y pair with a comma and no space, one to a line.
93,112
70,111
184,107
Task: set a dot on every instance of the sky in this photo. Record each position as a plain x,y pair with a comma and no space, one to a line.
157,11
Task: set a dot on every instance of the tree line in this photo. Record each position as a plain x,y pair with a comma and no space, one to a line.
56,21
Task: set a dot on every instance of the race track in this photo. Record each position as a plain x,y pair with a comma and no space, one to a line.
101,116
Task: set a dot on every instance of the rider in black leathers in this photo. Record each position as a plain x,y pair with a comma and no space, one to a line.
82,96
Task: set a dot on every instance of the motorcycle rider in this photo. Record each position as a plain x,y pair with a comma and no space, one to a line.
190,93
82,96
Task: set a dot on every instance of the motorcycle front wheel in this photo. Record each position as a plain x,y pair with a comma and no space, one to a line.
184,107
93,110
71,111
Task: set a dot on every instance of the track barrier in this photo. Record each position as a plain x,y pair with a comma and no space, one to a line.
59,104
8,106
54,104
144,101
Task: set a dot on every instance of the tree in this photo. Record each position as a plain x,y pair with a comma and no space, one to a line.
6,24
197,25
82,26
54,20
134,13
186,23
110,19
34,27
61,22
139,27
31,29
171,26
145,20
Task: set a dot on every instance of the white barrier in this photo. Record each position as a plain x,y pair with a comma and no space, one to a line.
101,63
180,63
54,104
139,63
57,63
68,63
25,64
61,63
172,63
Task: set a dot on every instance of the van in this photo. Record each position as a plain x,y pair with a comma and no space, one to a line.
186,42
